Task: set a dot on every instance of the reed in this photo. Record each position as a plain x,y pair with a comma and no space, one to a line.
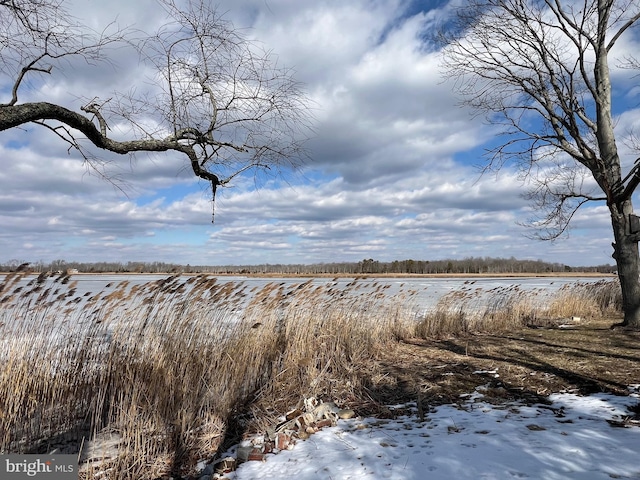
508,308
168,368
175,370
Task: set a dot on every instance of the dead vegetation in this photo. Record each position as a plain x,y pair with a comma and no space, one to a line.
175,370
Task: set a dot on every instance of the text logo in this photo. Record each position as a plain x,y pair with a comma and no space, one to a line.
45,467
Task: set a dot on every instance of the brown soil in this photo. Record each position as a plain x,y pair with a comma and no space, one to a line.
528,365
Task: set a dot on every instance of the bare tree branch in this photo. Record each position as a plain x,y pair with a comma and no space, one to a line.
222,100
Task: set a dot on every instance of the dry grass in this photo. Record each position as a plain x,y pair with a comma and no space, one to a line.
502,309
172,367
179,368
525,364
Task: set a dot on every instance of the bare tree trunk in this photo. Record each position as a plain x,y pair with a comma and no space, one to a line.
626,256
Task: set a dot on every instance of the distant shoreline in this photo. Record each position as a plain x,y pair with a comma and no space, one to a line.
358,275
418,275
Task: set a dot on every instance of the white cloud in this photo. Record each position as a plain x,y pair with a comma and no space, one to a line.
384,178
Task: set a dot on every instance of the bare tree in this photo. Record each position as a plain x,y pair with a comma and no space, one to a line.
540,69
219,99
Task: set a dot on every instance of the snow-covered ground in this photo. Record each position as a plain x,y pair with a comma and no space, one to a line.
573,438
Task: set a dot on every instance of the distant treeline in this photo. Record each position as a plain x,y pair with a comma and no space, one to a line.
480,265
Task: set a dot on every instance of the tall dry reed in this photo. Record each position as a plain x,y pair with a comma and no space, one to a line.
508,308
174,370
167,368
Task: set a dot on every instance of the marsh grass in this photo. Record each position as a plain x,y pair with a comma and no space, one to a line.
176,369
170,367
507,308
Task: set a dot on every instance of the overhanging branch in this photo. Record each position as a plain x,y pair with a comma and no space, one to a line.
633,179
14,115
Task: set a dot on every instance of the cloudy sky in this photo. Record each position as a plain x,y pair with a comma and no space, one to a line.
391,174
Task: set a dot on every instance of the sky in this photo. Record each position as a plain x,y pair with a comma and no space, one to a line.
392,169
571,438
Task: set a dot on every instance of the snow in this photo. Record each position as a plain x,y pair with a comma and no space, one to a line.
570,438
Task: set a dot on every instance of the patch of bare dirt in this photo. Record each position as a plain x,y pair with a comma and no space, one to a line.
527,365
